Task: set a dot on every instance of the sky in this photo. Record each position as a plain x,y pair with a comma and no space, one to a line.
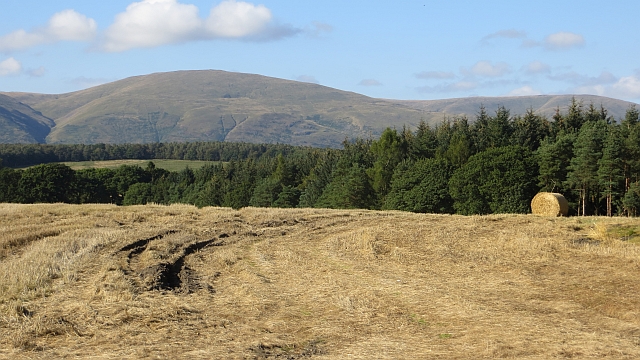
411,50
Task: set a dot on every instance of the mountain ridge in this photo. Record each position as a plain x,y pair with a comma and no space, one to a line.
214,105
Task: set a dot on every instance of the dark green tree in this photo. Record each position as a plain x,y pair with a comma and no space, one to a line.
425,142
611,167
499,180
421,186
582,175
554,158
9,185
47,183
388,151
349,189
529,130
138,194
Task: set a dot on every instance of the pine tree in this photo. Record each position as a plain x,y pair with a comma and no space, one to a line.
583,171
554,158
388,151
611,167
529,130
421,186
480,130
425,142
499,180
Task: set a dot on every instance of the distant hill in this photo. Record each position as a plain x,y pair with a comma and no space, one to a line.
209,105
21,124
542,104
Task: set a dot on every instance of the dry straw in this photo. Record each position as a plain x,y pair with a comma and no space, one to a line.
549,204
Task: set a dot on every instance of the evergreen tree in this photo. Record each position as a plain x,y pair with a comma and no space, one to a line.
480,130
388,151
317,180
611,167
630,131
138,194
425,142
47,183
349,189
499,128
529,130
583,170
9,185
631,199
499,180
554,158
575,117
421,186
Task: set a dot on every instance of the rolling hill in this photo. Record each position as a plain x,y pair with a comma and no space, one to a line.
209,105
19,123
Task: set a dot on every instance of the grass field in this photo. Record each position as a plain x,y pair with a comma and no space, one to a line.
102,282
171,165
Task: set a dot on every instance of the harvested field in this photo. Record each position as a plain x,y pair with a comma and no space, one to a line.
102,282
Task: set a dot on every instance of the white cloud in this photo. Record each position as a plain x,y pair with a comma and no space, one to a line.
450,87
10,66
435,75
308,79
151,23
67,25
627,87
536,67
234,19
563,40
573,77
370,82
487,69
71,26
524,91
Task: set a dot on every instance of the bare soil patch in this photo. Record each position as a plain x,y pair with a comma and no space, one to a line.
100,281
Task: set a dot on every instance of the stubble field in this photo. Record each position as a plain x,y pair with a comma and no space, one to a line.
101,282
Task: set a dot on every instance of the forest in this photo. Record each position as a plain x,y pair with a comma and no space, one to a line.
495,164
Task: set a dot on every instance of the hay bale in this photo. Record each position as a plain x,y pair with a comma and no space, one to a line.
549,204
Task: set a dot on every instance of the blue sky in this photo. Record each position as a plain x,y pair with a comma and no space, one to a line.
385,49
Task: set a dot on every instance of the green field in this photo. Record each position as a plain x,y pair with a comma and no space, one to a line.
170,165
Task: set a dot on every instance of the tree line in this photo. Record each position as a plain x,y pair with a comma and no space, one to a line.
495,164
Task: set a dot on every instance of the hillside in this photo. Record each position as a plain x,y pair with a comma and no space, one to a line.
102,281
215,106
542,104
21,124
211,105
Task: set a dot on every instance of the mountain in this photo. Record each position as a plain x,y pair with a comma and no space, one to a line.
542,104
20,123
210,105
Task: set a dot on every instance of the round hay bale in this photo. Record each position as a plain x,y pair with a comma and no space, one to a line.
549,204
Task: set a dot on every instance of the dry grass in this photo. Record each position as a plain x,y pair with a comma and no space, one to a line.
99,281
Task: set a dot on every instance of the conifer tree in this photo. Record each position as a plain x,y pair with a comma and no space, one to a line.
611,167
583,170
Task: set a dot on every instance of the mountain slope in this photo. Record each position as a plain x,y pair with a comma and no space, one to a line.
215,106
209,105
21,124
542,104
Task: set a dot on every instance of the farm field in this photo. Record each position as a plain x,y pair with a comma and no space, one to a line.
101,282
170,165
